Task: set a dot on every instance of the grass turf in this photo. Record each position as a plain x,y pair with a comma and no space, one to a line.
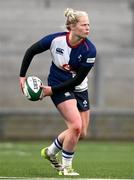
92,160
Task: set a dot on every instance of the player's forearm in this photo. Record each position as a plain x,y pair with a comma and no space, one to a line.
70,84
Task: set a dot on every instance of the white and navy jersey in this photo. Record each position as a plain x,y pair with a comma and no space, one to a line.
67,59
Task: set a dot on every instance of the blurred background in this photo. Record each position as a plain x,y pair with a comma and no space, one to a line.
111,82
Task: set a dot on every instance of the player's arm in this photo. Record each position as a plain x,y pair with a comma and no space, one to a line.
29,54
39,47
70,84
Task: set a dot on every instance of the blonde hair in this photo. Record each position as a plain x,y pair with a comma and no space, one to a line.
73,16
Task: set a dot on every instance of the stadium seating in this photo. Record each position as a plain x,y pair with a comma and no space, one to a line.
111,83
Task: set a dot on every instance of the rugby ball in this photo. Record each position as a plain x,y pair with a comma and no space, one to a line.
32,89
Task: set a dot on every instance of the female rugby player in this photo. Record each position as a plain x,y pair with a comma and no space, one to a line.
73,56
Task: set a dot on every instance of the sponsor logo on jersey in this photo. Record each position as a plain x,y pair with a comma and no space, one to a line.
59,51
66,67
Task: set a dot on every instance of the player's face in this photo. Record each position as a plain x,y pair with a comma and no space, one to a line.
81,29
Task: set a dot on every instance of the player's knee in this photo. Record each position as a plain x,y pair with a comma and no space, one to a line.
77,130
74,132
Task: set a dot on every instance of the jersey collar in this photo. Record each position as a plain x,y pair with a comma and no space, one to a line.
67,39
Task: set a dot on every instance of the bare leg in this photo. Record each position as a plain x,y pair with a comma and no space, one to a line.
72,117
85,116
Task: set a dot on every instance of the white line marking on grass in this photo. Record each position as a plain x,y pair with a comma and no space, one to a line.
43,178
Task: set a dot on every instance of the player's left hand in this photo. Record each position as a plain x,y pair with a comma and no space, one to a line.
47,90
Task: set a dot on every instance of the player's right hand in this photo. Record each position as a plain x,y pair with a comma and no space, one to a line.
22,82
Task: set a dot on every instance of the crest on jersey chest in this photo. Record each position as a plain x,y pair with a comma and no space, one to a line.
79,57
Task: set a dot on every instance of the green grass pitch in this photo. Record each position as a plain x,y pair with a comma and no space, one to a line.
92,160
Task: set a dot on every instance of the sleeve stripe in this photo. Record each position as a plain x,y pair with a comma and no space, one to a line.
90,60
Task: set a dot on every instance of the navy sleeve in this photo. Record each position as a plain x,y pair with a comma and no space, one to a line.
89,55
29,54
46,41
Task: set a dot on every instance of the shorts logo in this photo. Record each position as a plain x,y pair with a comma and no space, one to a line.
67,94
85,103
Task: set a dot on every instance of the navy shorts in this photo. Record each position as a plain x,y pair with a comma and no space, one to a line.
81,98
